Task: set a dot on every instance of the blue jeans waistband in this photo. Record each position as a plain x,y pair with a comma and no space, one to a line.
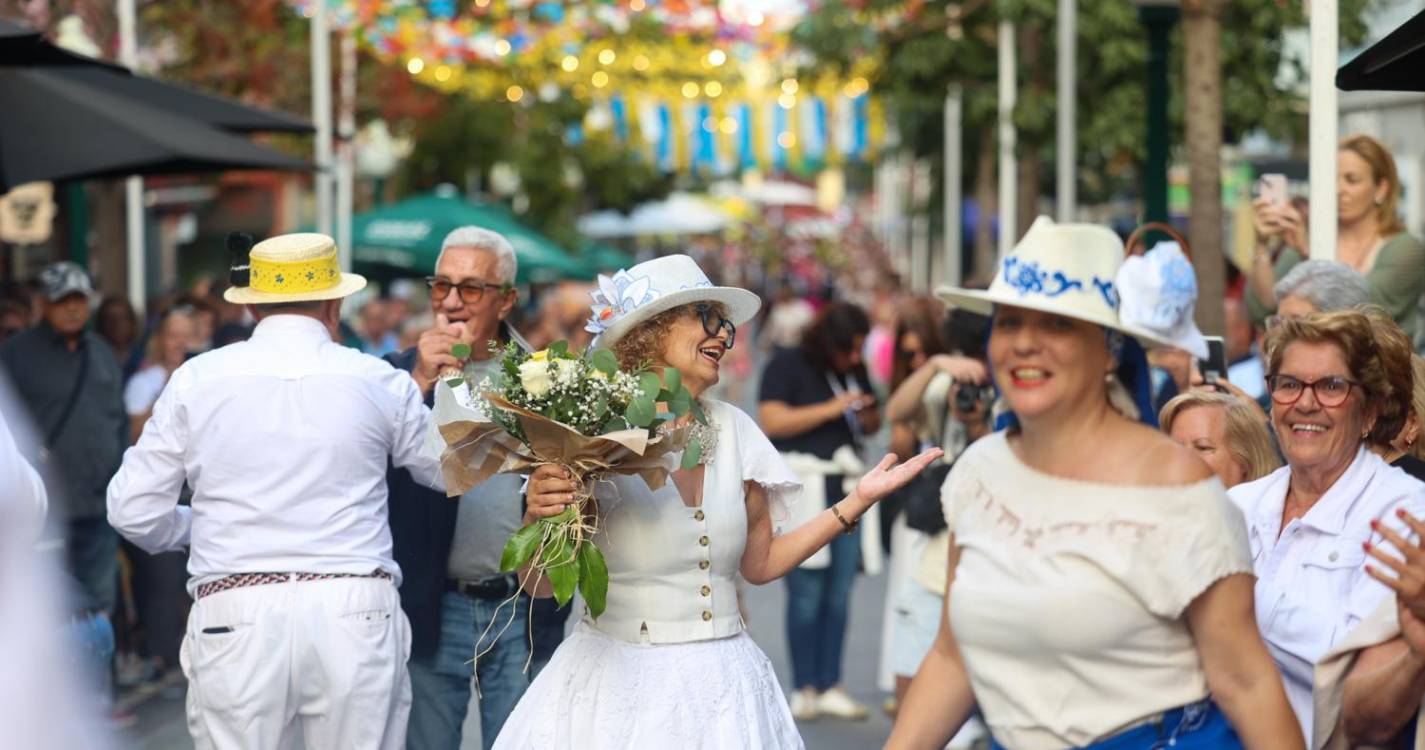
1195,725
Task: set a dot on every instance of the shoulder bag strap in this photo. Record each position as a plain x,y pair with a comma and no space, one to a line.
70,402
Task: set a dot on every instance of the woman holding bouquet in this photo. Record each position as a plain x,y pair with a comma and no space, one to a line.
668,663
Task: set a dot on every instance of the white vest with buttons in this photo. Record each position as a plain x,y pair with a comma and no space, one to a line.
671,567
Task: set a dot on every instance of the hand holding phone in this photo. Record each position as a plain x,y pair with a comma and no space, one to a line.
1214,368
1273,187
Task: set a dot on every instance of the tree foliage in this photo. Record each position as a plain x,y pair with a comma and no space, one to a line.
926,47
560,176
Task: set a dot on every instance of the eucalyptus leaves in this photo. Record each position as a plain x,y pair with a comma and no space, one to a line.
557,404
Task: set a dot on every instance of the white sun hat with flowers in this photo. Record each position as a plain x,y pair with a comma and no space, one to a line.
636,294
298,267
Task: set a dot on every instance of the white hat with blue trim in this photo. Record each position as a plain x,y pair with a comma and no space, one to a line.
1063,269
636,294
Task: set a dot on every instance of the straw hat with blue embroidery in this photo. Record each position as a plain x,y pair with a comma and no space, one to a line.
294,268
1078,271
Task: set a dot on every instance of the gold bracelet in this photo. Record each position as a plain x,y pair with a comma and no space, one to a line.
846,526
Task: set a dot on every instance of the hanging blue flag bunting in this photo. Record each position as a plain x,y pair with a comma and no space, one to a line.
780,127
442,9
620,113
746,156
574,135
861,126
665,139
705,155
813,127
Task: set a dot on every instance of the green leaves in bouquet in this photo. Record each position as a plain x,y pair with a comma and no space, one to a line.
651,386
616,422
692,453
562,569
672,380
559,350
604,361
593,578
520,549
680,402
510,364
460,351
641,411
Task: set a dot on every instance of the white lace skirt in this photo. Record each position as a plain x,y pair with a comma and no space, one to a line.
600,693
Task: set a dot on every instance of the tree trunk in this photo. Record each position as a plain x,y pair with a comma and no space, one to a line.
1032,86
987,206
1028,209
1202,37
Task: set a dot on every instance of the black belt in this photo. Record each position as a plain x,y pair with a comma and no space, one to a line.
500,587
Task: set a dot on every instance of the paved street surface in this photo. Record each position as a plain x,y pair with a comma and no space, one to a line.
160,708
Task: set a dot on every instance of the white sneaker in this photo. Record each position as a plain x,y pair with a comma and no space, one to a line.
835,702
804,704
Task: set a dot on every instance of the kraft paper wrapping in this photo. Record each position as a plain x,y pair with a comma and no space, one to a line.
477,449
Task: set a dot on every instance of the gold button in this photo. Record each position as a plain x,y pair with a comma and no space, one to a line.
703,540
706,615
705,591
698,516
703,564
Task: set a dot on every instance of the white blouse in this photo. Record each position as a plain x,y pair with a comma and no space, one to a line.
671,566
1312,587
1068,598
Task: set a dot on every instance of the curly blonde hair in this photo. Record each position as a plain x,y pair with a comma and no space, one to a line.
1371,345
643,344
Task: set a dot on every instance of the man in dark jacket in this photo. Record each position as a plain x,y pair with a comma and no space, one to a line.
460,605
68,377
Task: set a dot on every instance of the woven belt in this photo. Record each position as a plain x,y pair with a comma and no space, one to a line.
243,580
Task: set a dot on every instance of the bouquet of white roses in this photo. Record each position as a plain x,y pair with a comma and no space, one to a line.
576,410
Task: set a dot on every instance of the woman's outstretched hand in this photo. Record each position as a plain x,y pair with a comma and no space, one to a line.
887,477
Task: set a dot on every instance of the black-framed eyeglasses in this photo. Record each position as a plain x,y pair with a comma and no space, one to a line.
714,323
1329,391
470,291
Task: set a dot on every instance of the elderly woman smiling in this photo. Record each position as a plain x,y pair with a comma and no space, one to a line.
669,663
1307,522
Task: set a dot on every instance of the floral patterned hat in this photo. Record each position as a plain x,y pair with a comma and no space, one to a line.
294,268
636,294
1064,269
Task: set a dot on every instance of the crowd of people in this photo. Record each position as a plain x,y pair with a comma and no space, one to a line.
1093,538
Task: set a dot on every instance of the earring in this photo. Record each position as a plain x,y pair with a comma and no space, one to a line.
1380,201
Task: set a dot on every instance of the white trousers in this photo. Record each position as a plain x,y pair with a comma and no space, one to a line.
323,661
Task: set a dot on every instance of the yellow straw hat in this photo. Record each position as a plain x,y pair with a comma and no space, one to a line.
294,268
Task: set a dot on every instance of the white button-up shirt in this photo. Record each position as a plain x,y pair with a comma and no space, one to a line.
284,440
1312,587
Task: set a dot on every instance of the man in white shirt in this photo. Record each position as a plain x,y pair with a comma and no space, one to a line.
296,629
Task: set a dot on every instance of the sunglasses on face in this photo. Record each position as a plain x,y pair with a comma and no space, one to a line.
714,323
1329,391
471,292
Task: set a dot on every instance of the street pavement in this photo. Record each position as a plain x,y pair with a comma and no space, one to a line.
161,724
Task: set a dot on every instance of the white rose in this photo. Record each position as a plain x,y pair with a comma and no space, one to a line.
534,376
